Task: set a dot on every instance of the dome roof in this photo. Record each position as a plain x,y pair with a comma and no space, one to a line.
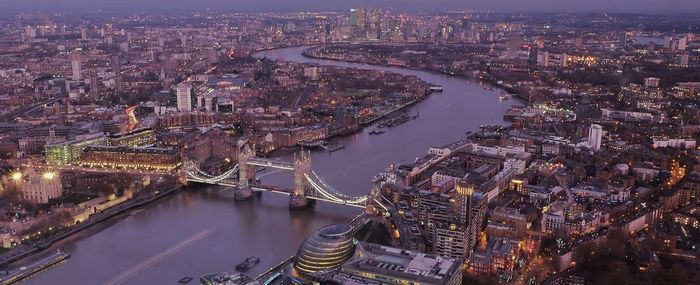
327,248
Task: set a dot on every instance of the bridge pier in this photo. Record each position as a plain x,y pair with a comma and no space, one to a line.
302,168
243,193
246,172
299,202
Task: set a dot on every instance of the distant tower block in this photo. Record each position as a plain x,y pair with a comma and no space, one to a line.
76,66
595,135
302,168
94,84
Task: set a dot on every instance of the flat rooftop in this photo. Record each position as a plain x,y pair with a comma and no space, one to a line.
405,264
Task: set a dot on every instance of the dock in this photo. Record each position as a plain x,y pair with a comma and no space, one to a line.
274,272
332,148
26,271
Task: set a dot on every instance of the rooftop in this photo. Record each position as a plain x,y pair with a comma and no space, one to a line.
404,264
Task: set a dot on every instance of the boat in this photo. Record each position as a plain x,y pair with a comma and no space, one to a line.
333,147
376,132
435,88
225,278
504,97
248,263
336,148
184,280
311,143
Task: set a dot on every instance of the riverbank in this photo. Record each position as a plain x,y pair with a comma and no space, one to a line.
490,83
350,130
93,221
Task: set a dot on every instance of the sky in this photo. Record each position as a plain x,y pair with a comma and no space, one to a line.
632,6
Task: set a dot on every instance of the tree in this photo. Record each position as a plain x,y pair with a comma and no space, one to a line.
121,180
105,189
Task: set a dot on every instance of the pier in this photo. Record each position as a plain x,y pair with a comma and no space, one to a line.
26,271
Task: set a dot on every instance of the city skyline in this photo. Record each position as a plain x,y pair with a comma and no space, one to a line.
616,6
162,144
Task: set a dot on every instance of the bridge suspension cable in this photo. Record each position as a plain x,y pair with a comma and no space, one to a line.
194,172
330,193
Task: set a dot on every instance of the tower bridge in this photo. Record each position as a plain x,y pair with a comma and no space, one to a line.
308,186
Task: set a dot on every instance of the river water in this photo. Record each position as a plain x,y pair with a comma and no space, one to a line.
199,231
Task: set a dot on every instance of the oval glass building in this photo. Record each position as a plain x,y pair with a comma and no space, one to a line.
327,248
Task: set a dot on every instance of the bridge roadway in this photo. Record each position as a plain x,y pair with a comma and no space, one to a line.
274,189
272,163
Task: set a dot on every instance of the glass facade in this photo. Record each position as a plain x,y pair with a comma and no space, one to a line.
69,152
327,248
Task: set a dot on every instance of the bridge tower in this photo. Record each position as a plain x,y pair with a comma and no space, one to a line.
246,173
302,168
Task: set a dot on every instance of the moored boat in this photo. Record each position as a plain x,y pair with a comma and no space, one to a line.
248,263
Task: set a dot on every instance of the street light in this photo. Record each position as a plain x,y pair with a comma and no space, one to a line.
16,176
48,175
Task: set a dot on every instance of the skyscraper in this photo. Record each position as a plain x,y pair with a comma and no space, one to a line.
595,135
534,54
117,68
118,84
453,220
94,84
116,63
472,208
183,92
76,65
623,40
683,43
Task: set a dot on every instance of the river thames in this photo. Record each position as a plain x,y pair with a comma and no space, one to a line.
202,230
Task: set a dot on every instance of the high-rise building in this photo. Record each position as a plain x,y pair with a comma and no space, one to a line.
76,65
472,208
116,63
595,136
185,101
682,43
623,40
534,54
684,60
514,44
118,84
117,68
83,34
453,220
667,42
357,18
94,84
